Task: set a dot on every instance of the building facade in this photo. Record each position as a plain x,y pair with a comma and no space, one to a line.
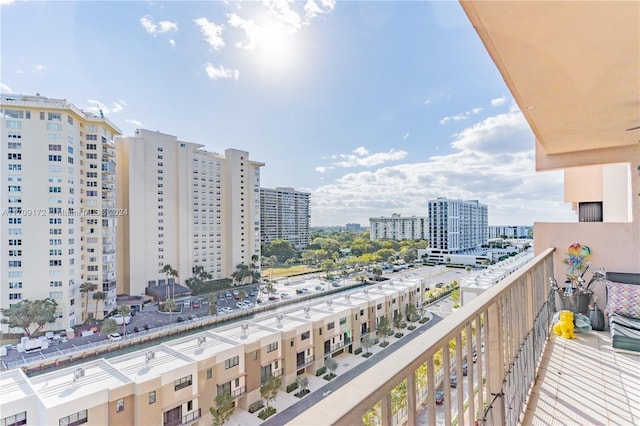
397,227
510,231
353,227
185,206
456,227
176,382
284,215
58,207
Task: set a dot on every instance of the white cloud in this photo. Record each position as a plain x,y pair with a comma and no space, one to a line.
136,123
311,9
498,101
462,116
97,106
406,135
252,31
212,32
6,2
494,163
4,88
282,11
162,27
18,71
38,68
172,42
321,169
221,72
360,157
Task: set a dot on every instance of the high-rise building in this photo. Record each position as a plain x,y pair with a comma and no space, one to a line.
284,215
457,226
58,215
510,231
397,227
353,227
185,206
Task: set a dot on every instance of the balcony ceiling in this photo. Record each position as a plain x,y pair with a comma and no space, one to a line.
573,67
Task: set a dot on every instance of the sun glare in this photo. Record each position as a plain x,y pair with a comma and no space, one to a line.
276,49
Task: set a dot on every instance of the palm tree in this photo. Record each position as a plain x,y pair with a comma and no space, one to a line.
86,288
99,296
124,310
168,271
170,305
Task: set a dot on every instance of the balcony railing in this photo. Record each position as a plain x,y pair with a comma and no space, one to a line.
191,417
308,360
507,326
238,392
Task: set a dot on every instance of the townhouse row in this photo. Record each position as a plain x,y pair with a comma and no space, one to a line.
177,381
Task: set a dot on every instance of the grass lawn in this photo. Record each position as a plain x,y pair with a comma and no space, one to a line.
286,272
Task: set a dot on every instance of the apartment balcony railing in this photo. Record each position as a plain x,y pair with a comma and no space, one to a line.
238,392
507,326
191,417
308,360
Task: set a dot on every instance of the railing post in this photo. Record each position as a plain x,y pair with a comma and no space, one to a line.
411,398
385,410
494,356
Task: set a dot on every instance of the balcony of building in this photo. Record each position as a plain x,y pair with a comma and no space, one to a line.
510,368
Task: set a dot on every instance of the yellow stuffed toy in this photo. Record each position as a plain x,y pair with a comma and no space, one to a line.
564,327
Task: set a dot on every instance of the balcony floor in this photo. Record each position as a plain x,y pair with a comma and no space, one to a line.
584,381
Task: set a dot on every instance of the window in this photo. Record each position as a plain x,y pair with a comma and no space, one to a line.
305,335
152,397
55,116
272,347
189,405
15,420
331,325
74,419
120,405
13,156
231,362
209,373
343,320
182,383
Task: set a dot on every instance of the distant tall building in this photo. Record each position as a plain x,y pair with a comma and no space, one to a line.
185,206
58,206
354,227
284,215
511,231
457,226
397,227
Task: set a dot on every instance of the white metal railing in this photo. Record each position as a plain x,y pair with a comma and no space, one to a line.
507,326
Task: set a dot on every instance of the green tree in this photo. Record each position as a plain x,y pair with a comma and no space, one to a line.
455,296
383,328
27,313
270,387
377,271
367,343
109,326
213,304
468,269
241,273
412,313
397,322
99,297
168,271
85,289
328,266
254,269
303,383
282,249
170,306
197,282
222,410
384,254
124,310
331,365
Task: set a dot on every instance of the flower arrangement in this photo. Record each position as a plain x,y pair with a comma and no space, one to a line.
578,254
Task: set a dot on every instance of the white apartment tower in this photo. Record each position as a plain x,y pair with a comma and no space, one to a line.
284,215
186,206
58,207
457,226
398,228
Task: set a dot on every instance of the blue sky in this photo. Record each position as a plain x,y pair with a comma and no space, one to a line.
372,107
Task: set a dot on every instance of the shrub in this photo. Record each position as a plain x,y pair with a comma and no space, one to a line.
293,386
357,351
255,406
321,371
399,335
269,411
329,376
423,320
411,327
384,344
367,355
302,393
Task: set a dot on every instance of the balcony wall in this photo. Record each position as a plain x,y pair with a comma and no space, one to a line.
510,321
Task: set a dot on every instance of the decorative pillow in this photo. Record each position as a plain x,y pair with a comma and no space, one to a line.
623,299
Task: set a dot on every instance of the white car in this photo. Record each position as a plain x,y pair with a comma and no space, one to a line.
115,337
284,296
120,320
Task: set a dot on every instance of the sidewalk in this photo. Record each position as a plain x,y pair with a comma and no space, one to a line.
284,400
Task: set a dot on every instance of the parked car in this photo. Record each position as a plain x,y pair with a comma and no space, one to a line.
115,337
273,297
221,296
336,284
285,296
229,296
319,287
240,305
195,304
439,285
120,320
439,396
464,369
453,381
236,294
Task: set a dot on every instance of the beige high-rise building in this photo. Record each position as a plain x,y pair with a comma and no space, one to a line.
58,207
284,215
185,207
